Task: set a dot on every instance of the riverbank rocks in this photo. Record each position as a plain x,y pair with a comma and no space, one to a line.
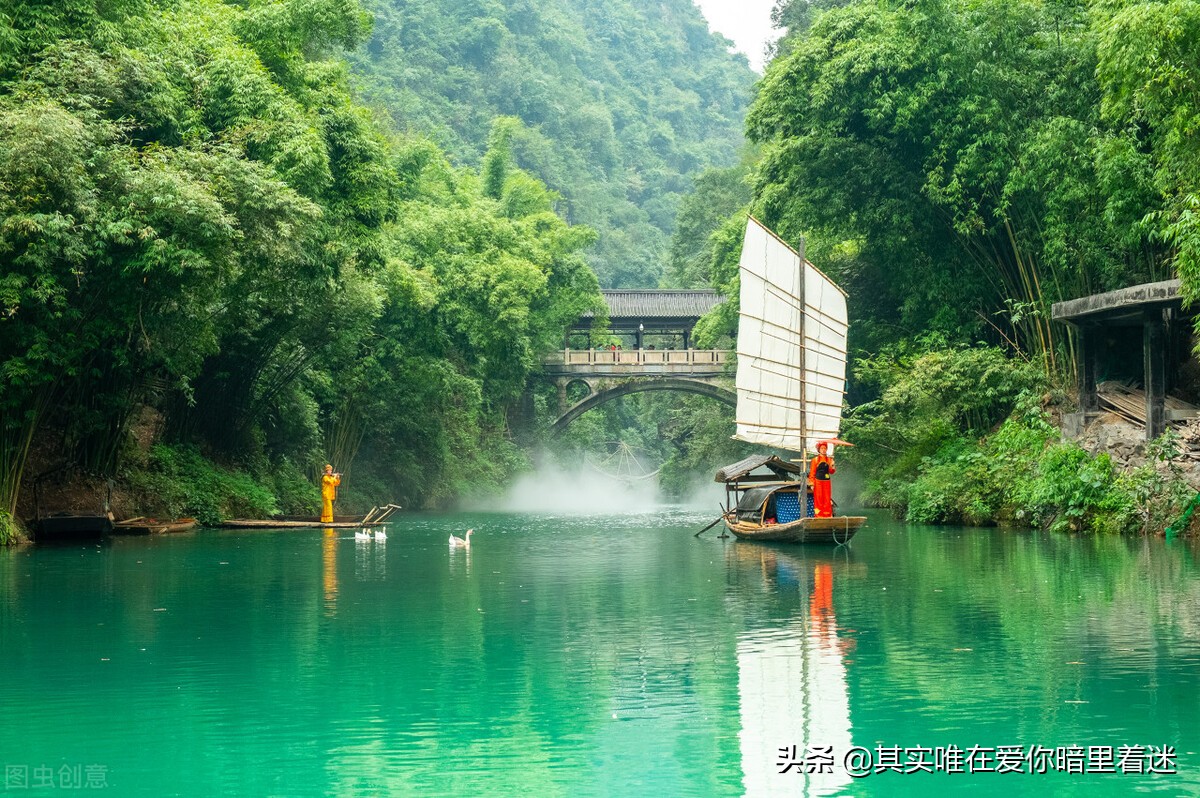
1125,443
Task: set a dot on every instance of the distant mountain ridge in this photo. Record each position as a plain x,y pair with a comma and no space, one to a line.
622,104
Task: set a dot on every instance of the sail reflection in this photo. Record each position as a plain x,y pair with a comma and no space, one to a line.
792,685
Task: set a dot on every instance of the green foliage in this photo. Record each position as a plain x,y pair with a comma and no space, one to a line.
294,492
180,482
1072,490
940,157
928,459
1158,489
958,166
621,104
685,437
10,533
1149,76
196,215
716,195
931,399
697,430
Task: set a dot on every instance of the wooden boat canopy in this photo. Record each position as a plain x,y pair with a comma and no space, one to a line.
753,501
740,471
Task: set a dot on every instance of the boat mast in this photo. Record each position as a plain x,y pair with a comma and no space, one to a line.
803,366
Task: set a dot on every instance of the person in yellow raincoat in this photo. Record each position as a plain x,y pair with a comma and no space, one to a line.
329,486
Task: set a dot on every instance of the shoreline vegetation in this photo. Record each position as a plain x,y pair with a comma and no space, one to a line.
221,268
966,436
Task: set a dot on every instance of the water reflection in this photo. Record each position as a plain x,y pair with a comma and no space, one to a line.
460,561
792,688
370,558
580,657
329,574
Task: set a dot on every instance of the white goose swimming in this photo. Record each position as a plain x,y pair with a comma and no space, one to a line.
461,543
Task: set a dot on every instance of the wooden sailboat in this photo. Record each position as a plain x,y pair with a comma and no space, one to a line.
791,377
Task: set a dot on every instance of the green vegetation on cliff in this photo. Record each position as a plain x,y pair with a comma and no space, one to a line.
621,104
199,222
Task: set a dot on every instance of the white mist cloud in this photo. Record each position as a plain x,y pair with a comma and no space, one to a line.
579,491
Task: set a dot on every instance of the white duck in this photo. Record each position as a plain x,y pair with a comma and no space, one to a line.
461,543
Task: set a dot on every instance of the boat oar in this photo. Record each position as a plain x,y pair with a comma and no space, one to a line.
710,526
720,518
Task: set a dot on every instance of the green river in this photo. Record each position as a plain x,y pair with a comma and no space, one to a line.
568,655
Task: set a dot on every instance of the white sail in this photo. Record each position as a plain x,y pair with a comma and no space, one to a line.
791,347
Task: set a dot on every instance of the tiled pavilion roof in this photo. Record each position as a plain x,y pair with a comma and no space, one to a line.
634,304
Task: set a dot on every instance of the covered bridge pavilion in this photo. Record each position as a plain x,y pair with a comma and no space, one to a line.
648,318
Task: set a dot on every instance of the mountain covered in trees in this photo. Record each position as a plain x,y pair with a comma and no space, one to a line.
619,105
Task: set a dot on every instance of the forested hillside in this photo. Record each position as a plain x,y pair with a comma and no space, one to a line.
218,268
621,104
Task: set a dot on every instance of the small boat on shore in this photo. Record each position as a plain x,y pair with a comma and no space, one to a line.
64,527
68,525
791,379
152,526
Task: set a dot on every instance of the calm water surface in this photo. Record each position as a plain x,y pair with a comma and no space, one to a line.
598,656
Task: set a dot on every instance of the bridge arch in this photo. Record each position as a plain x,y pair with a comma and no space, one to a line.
638,386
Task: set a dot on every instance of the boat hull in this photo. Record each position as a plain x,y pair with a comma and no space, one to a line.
837,530
152,527
55,528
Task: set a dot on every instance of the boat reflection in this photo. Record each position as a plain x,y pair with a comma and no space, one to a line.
792,689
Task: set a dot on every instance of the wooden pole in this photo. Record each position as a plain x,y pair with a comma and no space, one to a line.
1085,364
1155,361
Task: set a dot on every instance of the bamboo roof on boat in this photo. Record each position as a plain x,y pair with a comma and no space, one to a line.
740,469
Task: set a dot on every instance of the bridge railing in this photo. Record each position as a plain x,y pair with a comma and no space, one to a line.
640,357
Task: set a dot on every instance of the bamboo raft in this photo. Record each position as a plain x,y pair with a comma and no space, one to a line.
377,517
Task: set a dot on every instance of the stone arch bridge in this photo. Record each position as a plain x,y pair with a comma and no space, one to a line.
646,348
608,375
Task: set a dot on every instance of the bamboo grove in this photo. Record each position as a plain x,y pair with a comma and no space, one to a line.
203,234
960,165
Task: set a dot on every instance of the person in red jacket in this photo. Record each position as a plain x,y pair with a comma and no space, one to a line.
819,473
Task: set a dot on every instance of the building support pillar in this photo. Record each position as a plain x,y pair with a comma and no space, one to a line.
1085,365
1154,354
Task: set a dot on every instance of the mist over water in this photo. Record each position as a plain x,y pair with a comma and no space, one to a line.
580,490
584,490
